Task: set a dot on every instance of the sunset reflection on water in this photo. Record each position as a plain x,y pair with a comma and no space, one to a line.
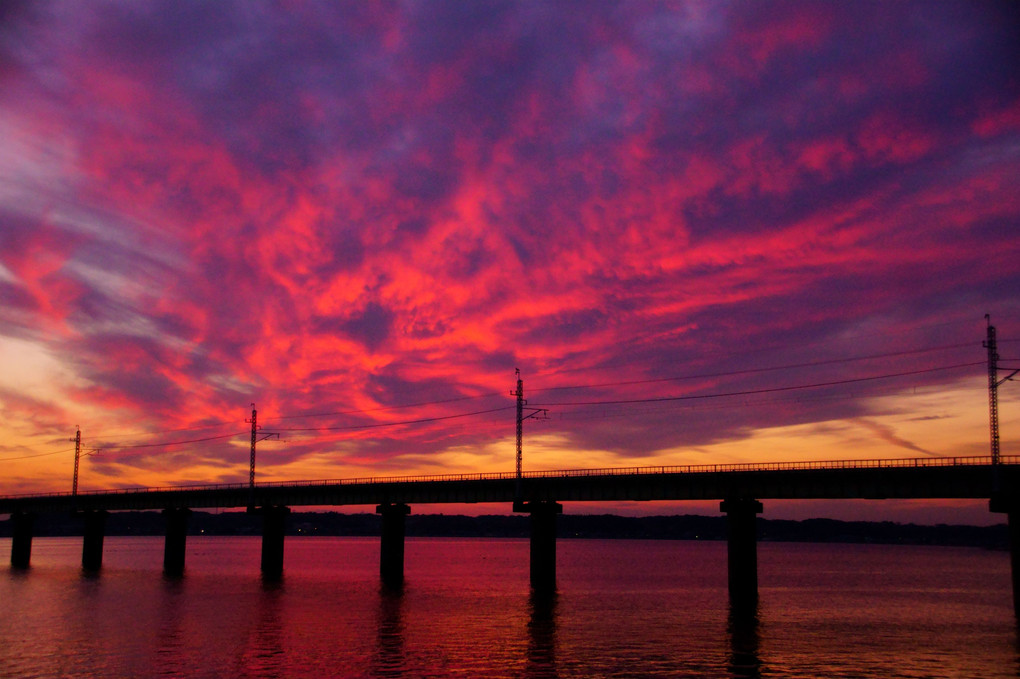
623,609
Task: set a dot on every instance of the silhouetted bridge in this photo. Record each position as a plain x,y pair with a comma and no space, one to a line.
739,487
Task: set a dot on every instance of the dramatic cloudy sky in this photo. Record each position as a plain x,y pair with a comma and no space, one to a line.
363,217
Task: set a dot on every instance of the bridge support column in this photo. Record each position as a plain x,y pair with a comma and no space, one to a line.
176,539
1010,506
92,544
391,549
274,523
742,551
543,542
23,524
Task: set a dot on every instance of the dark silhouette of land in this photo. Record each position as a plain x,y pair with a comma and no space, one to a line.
603,526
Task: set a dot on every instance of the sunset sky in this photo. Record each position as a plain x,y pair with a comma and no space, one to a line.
705,232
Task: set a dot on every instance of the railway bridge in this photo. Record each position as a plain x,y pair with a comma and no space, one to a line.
740,489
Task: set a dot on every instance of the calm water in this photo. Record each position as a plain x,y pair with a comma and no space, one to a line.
624,609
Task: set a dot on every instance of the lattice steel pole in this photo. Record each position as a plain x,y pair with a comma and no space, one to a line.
520,419
993,389
251,466
519,393
77,456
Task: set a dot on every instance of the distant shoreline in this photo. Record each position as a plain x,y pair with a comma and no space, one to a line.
570,526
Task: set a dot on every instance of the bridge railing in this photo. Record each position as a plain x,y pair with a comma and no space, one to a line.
894,463
671,469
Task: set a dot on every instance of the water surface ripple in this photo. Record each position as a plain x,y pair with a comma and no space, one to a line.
624,608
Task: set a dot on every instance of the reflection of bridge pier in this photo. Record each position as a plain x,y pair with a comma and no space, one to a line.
743,626
389,660
542,635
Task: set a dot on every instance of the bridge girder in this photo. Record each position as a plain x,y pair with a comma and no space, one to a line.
962,481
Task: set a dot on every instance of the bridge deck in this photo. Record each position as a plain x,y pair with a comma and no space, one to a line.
952,477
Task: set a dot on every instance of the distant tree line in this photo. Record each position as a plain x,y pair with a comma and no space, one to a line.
602,526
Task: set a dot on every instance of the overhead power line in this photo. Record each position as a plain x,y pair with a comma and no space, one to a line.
163,431
25,457
382,408
751,371
163,444
779,344
768,390
305,415
402,422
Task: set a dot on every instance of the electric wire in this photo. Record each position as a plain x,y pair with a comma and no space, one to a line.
692,407
779,345
767,390
101,435
394,424
750,371
25,457
382,408
102,448
268,419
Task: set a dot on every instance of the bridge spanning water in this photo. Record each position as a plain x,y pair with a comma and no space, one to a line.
740,488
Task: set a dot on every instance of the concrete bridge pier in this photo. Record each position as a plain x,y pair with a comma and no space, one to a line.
274,523
176,539
21,542
543,542
391,549
92,544
1009,505
742,551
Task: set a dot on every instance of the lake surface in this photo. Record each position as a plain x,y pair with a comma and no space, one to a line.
624,608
